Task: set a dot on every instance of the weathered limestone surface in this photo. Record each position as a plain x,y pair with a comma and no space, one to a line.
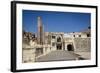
28,55
58,55
82,44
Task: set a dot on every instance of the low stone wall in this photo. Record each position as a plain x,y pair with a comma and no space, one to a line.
82,44
28,55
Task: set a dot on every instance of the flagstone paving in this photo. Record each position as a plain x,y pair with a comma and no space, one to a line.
58,56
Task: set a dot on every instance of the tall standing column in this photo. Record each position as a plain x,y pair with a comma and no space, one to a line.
40,31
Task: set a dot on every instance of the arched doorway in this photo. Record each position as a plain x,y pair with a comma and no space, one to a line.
70,47
59,46
59,43
59,39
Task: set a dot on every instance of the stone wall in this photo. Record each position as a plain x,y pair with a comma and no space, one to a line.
28,55
82,44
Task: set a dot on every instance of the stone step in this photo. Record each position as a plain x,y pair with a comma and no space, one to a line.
58,56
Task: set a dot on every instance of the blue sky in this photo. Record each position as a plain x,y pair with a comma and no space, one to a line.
56,21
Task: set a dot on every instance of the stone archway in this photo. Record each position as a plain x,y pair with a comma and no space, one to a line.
59,42
59,46
70,47
58,39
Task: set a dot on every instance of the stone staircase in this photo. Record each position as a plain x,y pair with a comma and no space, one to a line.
58,55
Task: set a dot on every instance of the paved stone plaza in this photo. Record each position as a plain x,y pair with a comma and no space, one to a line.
61,56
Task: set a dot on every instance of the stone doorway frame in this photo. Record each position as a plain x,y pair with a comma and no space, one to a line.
70,47
59,46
